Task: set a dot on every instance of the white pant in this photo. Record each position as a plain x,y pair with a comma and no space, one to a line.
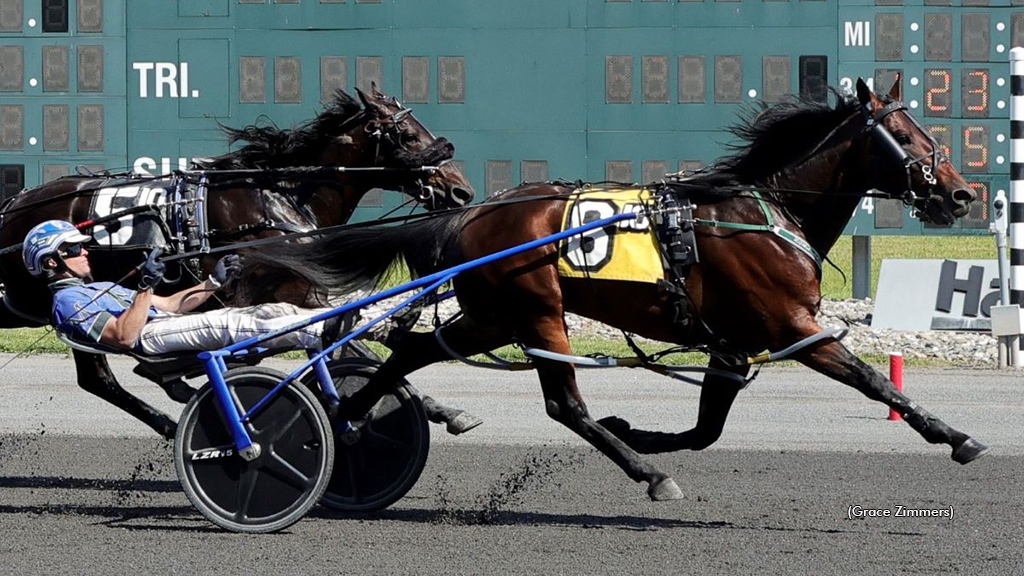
216,329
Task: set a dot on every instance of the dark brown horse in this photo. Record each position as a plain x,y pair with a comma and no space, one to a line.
751,291
242,206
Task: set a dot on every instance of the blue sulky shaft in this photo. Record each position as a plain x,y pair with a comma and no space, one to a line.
215,364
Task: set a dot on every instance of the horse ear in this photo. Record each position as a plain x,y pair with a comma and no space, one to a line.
376,91
370,103
864,93
894,93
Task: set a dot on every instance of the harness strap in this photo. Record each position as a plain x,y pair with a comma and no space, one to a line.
837,333
770,226
497,363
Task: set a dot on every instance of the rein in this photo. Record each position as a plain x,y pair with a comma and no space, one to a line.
248,172
371,223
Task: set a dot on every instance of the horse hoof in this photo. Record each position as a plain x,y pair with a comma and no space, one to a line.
464,422
969,451
615,425
664,489
180,392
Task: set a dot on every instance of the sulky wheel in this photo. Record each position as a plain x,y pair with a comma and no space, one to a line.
376,465
289,476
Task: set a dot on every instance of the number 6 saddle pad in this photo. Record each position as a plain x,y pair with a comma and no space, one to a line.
626,250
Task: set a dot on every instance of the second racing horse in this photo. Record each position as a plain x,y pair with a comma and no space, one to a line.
753,289
245,199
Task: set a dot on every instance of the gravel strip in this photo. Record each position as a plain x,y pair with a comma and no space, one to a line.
973,349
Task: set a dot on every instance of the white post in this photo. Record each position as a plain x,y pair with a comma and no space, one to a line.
1016,208
1006,316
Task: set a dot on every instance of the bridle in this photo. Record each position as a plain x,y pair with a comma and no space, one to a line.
881,136
387,129
874,127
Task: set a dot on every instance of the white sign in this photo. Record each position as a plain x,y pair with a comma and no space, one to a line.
936,294
149,166
857,33
170,79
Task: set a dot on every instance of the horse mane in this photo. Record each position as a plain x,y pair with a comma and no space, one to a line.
771,136
268,146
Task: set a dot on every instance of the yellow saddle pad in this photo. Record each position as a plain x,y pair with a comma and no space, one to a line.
627,250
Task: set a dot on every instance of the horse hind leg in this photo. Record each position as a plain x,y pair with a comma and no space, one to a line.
565,404
836,361
95,377
716,397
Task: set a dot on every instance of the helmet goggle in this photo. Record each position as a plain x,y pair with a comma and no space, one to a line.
71,250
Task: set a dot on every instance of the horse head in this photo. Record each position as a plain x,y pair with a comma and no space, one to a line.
418,164
908,163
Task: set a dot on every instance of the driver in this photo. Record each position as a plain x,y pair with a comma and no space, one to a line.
118,319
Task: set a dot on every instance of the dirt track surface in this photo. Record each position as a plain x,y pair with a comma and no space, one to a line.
521,496
82,505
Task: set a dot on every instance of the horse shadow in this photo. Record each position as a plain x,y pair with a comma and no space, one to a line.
70,483
485,517
183,518
170,517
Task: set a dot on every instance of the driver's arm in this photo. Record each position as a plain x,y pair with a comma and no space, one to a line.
186,300
123,331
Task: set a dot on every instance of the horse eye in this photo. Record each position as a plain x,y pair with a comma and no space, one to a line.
903,139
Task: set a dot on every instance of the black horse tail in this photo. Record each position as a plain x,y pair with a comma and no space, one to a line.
355,259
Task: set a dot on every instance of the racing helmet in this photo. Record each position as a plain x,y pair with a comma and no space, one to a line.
43,241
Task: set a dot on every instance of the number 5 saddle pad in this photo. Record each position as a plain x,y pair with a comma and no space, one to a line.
136,230
626,250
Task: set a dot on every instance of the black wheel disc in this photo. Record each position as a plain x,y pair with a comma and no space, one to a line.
277,488
382,461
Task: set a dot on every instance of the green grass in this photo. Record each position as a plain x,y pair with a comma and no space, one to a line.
901,247
584,346
42,341
619,349
31,341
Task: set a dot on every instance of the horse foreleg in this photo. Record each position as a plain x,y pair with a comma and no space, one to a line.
456,420
835,361
416,350
95,377
564,404
716,398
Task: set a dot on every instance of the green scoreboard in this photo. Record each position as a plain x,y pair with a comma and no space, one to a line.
622,90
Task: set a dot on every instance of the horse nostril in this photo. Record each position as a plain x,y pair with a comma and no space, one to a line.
461,195
964,196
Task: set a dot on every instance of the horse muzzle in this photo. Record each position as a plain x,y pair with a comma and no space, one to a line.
460,196
961,199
